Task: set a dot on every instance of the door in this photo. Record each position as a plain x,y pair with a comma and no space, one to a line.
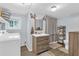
51,28
73,43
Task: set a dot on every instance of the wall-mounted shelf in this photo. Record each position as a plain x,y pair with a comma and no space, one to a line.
5,13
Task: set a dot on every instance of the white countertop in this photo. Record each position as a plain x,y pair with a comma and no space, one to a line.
9,36
40,35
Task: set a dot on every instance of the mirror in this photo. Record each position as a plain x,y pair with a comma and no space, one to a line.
39,24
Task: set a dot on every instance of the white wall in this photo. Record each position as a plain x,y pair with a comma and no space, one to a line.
23,31
71,23
29,35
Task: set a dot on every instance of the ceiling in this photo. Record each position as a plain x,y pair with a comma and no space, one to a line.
66,9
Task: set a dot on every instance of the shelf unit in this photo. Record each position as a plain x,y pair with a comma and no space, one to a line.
61,33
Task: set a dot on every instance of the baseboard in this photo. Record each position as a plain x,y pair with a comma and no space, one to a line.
29,49
25,44
22,44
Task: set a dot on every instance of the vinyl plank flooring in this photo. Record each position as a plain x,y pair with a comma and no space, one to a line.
51,52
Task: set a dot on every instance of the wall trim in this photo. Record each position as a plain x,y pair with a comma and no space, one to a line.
24,44
28,47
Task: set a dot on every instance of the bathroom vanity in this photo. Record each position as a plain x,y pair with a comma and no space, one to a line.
40,43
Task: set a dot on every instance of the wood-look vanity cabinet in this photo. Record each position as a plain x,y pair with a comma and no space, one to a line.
74,43
40,44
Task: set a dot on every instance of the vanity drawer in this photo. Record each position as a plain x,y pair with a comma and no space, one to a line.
43,42
42,38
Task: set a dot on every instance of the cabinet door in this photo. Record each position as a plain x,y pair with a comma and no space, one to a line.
71,41
78,44
10,48
75,44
